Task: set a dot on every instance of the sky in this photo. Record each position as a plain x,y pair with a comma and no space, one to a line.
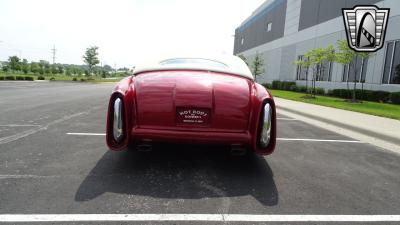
124,30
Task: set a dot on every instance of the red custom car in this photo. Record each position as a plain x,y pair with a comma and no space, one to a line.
192,100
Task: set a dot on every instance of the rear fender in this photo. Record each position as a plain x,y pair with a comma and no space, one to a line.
125,91
260,97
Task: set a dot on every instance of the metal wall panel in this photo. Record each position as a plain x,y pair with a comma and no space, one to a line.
314,12
255,32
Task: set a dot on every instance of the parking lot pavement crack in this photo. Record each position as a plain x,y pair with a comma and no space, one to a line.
5,140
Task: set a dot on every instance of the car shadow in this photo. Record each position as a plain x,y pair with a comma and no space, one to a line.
181,172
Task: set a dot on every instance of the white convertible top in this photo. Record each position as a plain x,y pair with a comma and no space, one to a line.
222,63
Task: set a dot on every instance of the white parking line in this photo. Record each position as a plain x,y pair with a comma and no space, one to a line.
279,139
19,125
25,176
195,217
14,137
87,134
318,140
283,118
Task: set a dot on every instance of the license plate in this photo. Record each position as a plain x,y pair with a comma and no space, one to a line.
193,116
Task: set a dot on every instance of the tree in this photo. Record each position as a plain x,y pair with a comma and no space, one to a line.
304,63
349,57
35,67
107,68
60,69
14,63
54,69
90,58
78,71
5,68
44,67
103,74
257,66
68,71
316,57
25,66
242,57
44,64
346,56
329,54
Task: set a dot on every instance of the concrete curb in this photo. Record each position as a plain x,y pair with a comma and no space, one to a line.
369,132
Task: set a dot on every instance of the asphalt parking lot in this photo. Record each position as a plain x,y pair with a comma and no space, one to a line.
44,170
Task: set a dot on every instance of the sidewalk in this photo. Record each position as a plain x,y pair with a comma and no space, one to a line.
374,127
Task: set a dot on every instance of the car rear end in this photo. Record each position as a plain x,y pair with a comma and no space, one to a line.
194,107
189,105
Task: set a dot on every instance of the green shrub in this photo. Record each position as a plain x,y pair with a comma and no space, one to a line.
318,91
19,78
28,78
267,85
74,79
282,85
395,97
375,96
41,78
83,80
52,78
276,84
302,89
9,78
293,87
2,78
341,93
363,95
380,96
285,85
367,95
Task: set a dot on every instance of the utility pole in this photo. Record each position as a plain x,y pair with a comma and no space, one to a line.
53,50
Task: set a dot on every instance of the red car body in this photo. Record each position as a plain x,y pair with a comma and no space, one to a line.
191,106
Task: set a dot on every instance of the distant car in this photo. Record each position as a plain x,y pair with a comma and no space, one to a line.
192,100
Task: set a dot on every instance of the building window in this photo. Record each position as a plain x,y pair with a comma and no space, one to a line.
242,41
269,27
391,70
350,76
301,71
